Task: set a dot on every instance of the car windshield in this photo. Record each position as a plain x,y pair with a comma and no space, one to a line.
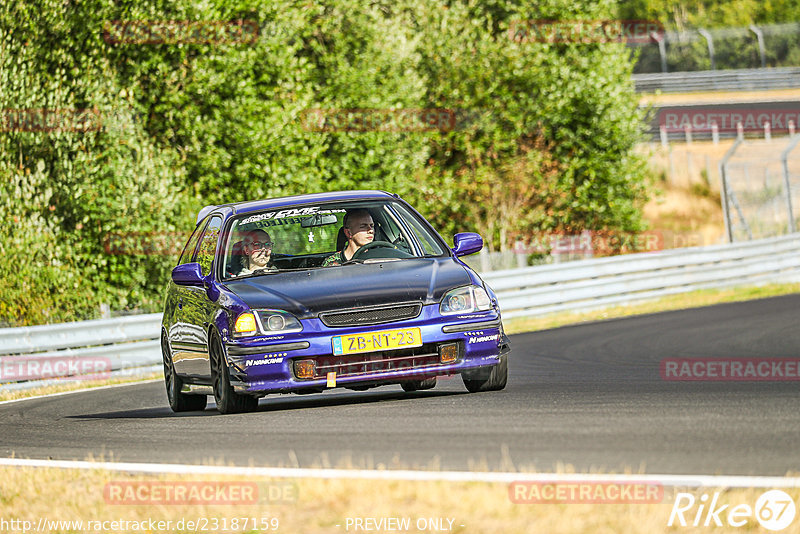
325,236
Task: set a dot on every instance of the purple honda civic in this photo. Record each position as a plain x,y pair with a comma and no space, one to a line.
301,294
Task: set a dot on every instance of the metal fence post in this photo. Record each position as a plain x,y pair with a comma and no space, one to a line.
724,188
786,182
710,41
760,36
661,39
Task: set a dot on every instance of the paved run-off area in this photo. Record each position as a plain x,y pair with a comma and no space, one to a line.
588,396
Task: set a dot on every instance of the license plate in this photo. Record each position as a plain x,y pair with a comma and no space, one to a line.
373,341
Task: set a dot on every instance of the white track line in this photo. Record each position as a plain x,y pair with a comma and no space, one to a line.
693,481
82,390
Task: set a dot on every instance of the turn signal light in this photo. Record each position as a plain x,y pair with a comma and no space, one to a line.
246,324
448,353
305,368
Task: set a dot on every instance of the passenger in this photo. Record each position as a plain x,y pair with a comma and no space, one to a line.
257,253
359,230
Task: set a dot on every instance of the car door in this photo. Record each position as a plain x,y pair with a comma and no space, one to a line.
176,296
191,354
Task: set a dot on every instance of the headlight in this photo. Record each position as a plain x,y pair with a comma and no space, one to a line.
266,322
278,322
465,299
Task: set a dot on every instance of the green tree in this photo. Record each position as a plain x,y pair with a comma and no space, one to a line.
542,139
75,167
549,128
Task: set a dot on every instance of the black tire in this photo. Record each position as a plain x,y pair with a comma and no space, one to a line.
228,401
488,378
179,402
418,385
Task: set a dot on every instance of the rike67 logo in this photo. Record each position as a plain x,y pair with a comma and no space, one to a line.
774,510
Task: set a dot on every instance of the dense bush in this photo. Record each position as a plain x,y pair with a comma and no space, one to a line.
543,138
547,142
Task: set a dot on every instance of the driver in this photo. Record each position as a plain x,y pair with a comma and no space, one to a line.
257,249
359,230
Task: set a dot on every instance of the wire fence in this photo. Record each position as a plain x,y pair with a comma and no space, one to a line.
699,49
761,188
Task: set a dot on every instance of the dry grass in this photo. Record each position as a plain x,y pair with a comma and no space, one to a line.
320,505
685,204
718,97
684,218
74,385
694,299
693,167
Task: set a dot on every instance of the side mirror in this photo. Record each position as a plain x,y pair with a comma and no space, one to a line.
467,243
188,274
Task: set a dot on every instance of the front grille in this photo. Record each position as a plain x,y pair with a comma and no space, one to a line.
372,315
418,358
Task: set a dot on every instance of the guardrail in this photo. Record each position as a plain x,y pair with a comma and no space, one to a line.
33,356
597,283
719,80
120,345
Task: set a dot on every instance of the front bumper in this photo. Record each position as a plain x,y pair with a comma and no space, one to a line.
265,364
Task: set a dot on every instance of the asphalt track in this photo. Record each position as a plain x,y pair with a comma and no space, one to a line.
590,396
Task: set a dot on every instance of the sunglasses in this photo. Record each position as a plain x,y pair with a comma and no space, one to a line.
260,244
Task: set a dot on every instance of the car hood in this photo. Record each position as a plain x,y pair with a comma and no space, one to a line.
307,293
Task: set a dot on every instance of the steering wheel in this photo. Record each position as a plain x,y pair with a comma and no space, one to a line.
369,246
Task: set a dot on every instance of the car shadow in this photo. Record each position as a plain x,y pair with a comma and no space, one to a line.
277,404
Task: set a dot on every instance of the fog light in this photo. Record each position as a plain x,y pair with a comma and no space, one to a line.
448,353
305,368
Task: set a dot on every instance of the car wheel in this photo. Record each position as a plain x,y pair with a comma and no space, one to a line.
179,402
418,385
228,401
487,378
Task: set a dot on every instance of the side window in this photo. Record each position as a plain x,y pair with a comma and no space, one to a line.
429,244
188,251
208,244
388,225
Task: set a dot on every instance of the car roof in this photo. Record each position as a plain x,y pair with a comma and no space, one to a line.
282,202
